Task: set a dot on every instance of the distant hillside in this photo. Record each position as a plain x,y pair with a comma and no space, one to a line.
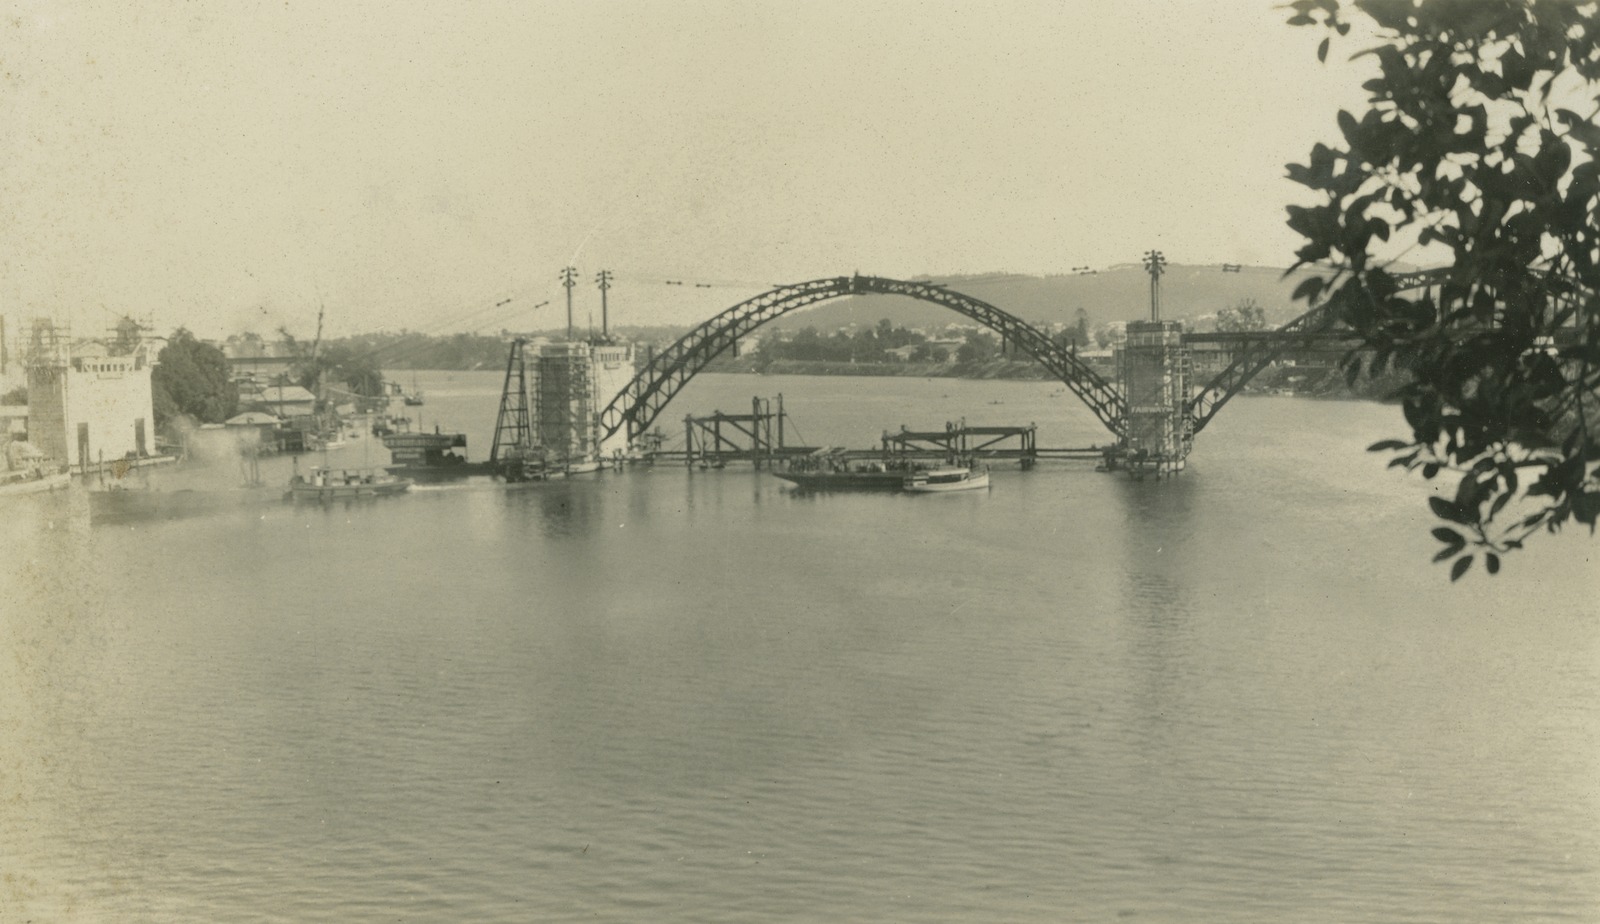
1120,293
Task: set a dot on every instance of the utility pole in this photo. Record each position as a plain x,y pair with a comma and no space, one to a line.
569,278
1155,264
603,279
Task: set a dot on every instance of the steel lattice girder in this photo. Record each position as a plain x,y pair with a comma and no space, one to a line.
648,394
1250,361
1248,364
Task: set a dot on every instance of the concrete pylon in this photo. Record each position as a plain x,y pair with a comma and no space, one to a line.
1154,373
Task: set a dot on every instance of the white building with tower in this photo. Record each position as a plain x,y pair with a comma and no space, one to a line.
90,400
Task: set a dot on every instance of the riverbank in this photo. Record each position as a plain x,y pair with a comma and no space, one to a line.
995,369
1313,381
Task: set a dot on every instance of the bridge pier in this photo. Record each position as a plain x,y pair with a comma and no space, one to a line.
1153,366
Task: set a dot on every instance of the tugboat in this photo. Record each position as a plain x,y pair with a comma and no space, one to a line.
325,484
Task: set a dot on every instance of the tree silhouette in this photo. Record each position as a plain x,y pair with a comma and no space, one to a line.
1472,148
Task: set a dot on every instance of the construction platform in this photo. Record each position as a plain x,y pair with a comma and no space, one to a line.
714,440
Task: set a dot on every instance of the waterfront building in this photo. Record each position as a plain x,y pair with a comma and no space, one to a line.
90,399
280,400
252,360
253,428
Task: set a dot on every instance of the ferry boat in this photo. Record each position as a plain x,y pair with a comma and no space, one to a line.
431,456
338,483
946,479
824,470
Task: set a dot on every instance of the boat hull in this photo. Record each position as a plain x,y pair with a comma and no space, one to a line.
844,481
432,473
344,491
976,483
41,485
343,484
943,482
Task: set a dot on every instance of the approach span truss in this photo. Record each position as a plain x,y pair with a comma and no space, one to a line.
1313,327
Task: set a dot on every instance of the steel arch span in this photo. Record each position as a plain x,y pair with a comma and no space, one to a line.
647,395
1248,363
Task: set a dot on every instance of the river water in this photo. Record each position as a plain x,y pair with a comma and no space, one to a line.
1240,695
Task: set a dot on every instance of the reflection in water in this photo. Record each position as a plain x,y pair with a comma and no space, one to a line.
562,508
1156,562
675,695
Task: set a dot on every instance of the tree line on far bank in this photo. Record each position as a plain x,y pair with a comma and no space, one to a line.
887,342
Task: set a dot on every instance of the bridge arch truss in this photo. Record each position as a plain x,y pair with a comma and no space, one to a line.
649,392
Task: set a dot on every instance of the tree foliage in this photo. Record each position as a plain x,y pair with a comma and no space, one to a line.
413,350
866,345
340,368
1244,316
980,347
1480,140
191,380
1078,334
1109,335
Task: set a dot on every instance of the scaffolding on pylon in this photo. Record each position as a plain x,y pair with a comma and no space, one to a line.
565,423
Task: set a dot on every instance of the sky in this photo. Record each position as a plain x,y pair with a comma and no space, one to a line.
236,166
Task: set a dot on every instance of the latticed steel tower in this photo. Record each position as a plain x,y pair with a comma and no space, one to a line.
513,428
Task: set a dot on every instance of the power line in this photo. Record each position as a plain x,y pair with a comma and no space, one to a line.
603,279
569,278
1155,264
415,348
689,283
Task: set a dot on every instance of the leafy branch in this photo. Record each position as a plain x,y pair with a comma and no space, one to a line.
1468,147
